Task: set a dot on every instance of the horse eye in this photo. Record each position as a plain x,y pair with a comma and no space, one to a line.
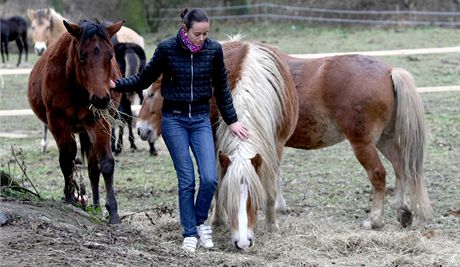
83,57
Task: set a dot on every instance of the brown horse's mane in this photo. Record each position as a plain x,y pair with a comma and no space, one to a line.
89,29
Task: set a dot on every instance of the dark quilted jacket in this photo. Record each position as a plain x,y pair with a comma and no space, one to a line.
188,79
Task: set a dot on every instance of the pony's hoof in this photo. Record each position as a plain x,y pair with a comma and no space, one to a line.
273,227
368,225
404,217
114,219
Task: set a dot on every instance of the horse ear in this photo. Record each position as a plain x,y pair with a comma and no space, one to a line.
256,161
30,13
114,28
72,28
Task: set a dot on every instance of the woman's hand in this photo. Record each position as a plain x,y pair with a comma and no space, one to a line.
112,84
239,130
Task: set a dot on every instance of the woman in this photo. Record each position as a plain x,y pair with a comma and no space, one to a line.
192,65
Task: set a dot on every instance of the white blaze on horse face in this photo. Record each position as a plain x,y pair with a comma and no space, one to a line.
243,236
146,131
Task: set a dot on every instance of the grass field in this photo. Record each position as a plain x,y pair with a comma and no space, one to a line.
327,191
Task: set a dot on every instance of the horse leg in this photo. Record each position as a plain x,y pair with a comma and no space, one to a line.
129,121
280,205
119,147
403,213
44,140
67,153
6,50
368,157
20,47
270,215
26,45
106,164
152,150
2,45
94,174
113,139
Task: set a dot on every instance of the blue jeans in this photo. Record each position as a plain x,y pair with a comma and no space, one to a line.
181,133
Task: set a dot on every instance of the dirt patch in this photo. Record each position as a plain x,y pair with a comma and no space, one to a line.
50,233
47,232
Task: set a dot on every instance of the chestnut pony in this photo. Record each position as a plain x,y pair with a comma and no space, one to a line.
266,102
69,91
376,107
248,170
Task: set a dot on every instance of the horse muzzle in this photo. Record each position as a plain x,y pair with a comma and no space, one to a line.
244,245
146,132
40,48
100,102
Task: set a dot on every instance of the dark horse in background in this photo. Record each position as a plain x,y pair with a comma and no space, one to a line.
69,91
14,29
131,59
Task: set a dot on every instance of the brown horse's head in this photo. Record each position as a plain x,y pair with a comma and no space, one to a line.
243,195
92,58
149,118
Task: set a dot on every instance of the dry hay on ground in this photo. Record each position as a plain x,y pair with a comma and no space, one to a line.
48,232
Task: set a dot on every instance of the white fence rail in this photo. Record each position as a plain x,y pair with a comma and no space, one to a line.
271,12
27,112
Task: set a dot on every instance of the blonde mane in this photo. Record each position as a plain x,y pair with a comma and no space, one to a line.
259,98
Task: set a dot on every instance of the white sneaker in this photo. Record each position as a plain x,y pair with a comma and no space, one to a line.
190,244
204,235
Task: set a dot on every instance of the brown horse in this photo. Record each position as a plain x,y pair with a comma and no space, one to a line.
375,107
47,28
69,91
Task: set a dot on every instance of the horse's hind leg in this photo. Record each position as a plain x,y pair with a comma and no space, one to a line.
119,147
280,205
129,122
368,157
20,47
403,213
2,52
26,45
270,215
44,142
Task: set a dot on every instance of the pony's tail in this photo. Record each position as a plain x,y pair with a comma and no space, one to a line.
410,137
